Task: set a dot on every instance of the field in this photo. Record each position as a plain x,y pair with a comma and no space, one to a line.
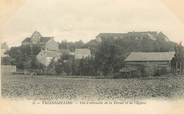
55,87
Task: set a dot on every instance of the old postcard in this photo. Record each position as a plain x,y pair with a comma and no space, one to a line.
92,56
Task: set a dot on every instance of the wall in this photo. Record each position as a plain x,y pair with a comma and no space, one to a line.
8,69
151,68
80,56
41,57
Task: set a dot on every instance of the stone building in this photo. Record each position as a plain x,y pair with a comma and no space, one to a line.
82,53
36,38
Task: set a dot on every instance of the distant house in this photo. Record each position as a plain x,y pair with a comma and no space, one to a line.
46,56
34,39
136,35
47,43
82,53
49,47
151,63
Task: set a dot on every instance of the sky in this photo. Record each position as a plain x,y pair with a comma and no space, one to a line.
74,20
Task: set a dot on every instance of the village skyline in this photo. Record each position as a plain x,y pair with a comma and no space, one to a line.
39,51
123,54
65,22
85,41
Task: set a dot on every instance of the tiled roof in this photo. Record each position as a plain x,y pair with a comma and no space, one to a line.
27,40
150,56
148,34
129,33
45,39
111,35
42,39
36,34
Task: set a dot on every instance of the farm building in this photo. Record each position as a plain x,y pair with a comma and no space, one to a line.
82,53
150,63
49,47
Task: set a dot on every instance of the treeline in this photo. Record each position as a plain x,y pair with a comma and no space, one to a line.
24,57
67,65
107,56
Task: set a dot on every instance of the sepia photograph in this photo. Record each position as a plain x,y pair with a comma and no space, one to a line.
92,51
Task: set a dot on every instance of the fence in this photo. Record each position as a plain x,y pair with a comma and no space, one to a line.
8,69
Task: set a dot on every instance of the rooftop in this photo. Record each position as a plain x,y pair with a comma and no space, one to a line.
45,39
150,56
36,34
39,36
27,40
154,35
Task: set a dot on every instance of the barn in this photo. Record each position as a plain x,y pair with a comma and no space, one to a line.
149,63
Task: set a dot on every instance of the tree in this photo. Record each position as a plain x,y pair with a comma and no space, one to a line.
71,45
108,57
59,66
177,62
24,57
64,64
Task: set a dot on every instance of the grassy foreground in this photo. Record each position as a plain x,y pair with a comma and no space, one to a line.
53,87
